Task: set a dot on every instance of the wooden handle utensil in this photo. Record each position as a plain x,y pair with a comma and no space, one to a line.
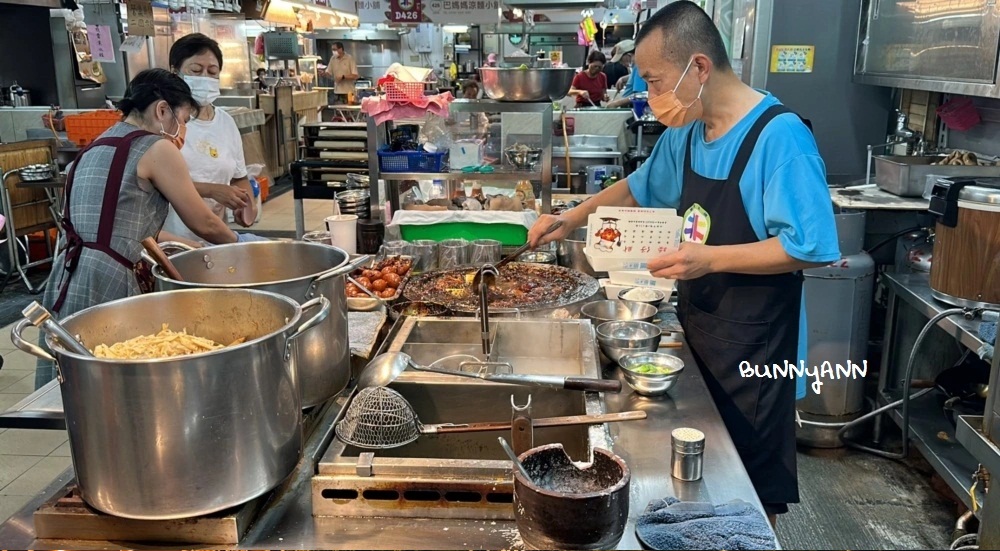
161,258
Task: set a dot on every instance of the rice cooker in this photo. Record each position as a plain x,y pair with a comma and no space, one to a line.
966,267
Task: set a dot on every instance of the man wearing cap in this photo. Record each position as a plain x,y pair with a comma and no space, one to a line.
621,60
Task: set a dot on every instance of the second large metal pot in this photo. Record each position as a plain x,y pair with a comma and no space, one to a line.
570,253
297,270
188,435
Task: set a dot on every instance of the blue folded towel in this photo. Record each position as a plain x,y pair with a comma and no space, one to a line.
673,524
988,332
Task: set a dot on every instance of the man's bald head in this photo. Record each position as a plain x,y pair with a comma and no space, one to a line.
684,29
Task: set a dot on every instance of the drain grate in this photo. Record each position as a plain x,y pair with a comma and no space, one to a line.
342,496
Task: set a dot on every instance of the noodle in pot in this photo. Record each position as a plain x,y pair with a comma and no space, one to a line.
165,344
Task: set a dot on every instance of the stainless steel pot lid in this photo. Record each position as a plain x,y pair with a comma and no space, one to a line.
985,190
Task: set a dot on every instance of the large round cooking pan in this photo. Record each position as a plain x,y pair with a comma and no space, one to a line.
297,270
189,435
577,290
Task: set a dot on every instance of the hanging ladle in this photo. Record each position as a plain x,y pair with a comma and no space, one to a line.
513,457
43,320
384,369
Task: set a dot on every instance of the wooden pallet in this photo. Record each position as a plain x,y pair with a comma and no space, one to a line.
67,517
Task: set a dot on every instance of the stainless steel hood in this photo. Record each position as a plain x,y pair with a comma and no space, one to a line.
553,4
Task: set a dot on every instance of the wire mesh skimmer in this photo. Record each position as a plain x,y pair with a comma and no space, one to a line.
379,418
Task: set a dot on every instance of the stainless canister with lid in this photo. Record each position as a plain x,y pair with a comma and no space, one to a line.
688,446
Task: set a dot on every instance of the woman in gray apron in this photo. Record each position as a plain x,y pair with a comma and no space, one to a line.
117,194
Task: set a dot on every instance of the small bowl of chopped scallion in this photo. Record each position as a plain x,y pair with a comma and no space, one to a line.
651,373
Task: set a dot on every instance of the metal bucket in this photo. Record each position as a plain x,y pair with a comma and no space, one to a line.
297,270
190,435
570,253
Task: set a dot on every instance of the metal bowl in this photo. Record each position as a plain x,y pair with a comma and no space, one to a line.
654,302
618,338
649,384
36,173
538,257
601,311
523,159
519,84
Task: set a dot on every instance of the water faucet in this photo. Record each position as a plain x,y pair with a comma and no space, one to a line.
487,276
914,140
902,130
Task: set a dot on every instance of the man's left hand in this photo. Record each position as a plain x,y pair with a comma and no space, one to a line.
689,261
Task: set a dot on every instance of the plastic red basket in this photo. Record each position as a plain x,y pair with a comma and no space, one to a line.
403,92
959,114
84,128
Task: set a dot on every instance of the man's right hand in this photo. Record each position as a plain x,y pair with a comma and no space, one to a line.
231,197
535,234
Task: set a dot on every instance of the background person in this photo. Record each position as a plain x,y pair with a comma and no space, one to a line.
344,72
590,86
213,149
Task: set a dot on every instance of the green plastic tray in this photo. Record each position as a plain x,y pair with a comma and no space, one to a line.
508,234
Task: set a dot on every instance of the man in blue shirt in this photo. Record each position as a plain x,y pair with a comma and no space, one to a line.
746,175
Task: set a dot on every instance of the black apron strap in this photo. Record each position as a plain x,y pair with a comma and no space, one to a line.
109,209
750,141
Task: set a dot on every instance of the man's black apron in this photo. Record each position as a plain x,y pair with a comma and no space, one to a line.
731,318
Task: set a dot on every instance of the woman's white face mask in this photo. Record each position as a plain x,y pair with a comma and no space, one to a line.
204,89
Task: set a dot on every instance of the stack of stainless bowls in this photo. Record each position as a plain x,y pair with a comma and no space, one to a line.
355,201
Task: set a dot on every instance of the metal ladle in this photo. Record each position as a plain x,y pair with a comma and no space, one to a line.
513,457
384,369
42,319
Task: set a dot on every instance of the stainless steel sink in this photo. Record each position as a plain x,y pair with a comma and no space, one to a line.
464,475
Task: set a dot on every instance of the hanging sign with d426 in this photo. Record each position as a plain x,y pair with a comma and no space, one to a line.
444,12
405,11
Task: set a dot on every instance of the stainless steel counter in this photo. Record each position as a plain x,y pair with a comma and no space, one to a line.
287,521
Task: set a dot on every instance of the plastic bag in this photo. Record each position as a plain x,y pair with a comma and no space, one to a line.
254,175
435,131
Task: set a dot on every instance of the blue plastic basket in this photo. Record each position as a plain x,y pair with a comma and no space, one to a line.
410,161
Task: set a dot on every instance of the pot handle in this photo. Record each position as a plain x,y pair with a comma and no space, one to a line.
31,348
165,245
338,271
319,318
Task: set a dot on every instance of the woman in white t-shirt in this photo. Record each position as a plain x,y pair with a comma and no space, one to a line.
213,148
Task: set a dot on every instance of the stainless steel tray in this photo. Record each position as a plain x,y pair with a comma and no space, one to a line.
906,176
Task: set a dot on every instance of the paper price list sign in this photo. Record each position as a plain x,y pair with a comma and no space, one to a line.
792,59
101,46
140,18
626,239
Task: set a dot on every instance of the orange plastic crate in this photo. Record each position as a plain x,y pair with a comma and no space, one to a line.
84,128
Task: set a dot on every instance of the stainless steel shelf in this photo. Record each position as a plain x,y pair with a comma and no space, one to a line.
500,175
970,434
376,139
915,289
936,439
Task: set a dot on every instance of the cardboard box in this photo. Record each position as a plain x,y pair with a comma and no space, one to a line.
625,239
641,279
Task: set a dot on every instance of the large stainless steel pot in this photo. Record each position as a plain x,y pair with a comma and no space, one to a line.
297,270
569,251
191,435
